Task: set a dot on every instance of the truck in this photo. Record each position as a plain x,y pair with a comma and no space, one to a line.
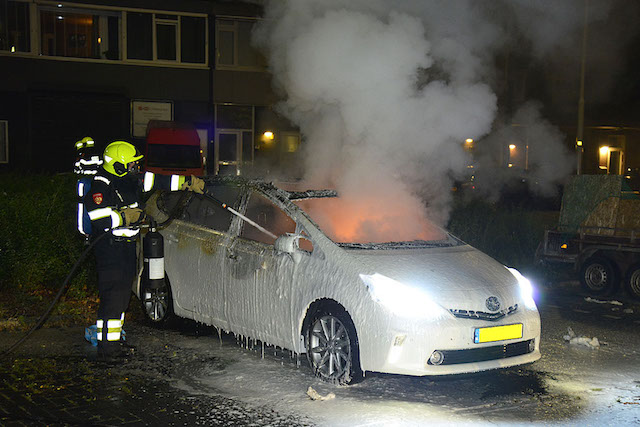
598,234
173,148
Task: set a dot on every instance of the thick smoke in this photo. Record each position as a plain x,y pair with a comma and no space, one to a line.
385,93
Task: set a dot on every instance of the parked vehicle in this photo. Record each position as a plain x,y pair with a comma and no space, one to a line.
173,149
598,234
425,306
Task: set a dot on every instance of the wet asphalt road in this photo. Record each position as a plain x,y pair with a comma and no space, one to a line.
188,375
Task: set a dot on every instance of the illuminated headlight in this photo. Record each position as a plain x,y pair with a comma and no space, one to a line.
401,299
526,289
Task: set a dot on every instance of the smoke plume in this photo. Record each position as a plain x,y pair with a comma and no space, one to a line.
385,93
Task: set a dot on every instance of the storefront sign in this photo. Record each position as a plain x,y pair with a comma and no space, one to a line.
143,111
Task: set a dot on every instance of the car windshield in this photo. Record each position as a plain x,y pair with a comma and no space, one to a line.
359,225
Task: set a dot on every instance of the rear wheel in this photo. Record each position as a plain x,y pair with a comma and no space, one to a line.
632,282
332,347
157,304
599,276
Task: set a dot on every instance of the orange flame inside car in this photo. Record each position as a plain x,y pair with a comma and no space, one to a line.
370,220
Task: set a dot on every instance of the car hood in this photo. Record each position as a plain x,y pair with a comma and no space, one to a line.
456,277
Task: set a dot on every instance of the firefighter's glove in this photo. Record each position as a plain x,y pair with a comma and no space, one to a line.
131,216
194,184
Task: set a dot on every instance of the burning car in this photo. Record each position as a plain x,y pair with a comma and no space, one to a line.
286,272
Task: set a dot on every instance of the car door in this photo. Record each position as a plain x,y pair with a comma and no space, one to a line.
258,287
195,253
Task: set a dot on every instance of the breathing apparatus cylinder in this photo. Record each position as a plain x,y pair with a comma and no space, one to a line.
153,254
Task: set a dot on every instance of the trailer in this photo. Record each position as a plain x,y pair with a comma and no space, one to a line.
598,234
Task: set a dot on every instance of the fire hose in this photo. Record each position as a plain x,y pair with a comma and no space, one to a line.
238,214
61,291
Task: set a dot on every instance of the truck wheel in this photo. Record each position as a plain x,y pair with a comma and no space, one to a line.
632,282
599,276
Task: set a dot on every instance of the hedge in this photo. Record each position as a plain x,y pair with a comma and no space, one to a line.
39,242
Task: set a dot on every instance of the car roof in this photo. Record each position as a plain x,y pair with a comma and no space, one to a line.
270,188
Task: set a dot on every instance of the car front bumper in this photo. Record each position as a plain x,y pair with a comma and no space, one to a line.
406,345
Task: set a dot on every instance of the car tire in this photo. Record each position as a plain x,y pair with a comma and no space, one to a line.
157,304
599,276
632,281
332,346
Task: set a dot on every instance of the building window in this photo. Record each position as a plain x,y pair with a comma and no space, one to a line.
91,32
166,37
79,33
163,37
140,35
4,141
233,45
193,39
290,142
14,26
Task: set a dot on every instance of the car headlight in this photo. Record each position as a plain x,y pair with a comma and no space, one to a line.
526,288
401,299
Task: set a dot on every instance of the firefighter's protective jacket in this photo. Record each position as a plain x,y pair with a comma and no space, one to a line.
109,194
86,166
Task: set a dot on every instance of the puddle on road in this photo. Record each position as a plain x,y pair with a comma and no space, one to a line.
514,383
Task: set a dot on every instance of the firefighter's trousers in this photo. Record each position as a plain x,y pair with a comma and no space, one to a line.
116,268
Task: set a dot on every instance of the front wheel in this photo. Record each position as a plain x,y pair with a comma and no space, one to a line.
157,304
632,282
332,347
599,276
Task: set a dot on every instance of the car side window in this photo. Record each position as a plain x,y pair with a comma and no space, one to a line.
269,216
208,213
168,201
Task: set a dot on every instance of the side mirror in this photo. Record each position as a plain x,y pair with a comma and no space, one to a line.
288,244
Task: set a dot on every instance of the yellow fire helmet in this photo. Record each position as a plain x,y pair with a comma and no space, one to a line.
119,156
86,142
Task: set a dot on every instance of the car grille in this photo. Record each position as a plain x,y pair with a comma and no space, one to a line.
470,314
454,357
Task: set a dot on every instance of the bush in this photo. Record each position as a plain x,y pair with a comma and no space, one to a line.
510,234
39,242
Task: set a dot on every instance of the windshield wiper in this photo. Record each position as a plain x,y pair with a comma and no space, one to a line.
400,245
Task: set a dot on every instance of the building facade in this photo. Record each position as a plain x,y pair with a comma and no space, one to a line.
105,68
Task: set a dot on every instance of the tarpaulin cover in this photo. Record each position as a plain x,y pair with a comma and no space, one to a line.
600,204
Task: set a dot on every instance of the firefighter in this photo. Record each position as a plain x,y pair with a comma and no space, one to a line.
87,164
114,205
87,159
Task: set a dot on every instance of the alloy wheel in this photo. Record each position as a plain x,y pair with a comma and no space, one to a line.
330,348
156,303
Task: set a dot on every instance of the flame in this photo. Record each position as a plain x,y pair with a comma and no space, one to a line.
370,220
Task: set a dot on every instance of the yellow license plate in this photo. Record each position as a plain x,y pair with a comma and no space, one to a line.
497,333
